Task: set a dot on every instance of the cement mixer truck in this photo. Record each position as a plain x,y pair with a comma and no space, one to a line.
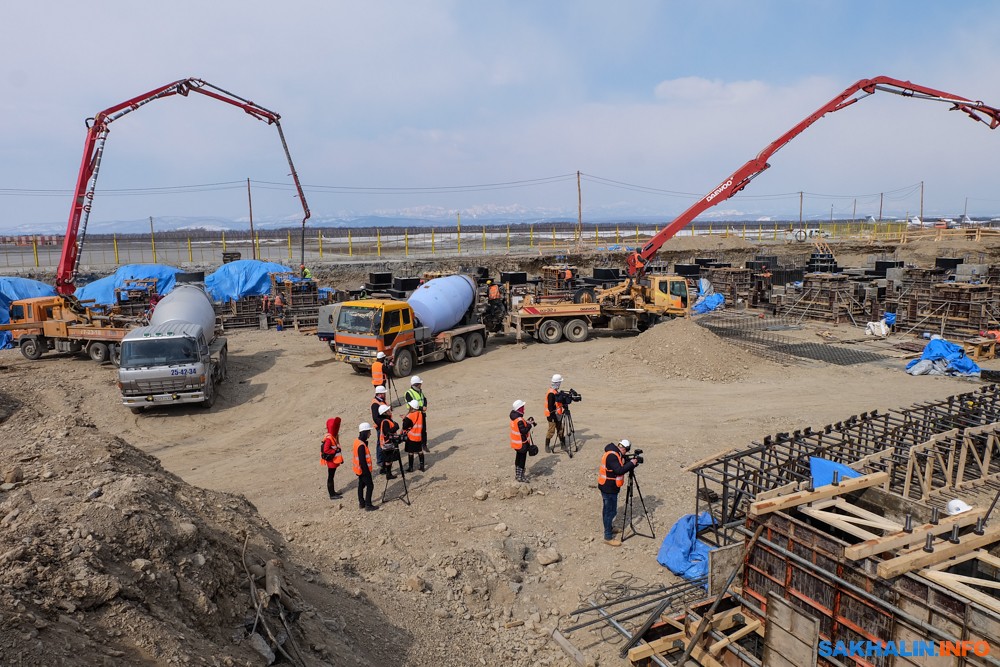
438,320
178,358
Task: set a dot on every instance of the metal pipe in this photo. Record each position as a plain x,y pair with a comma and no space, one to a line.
624,633
877,601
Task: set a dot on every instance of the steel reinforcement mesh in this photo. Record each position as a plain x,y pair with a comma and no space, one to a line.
759,335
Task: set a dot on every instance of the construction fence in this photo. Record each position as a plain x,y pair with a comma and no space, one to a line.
339,244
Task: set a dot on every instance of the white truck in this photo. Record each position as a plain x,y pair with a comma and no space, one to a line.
178,358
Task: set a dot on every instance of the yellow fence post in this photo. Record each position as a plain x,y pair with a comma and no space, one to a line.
618,234
114,240
531,236
350,244
484,238
190,256
152,243
34,248
553,236
460,238
319,242
432,240
597,241
775,232
256,244
378,241
637,234
223,240
406,241
508,238
744,231
289,246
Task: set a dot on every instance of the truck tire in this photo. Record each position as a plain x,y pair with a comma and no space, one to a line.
32,348
476,343
136,410
576,331
585,295
115,352
209,394
223,363
458,349
402,363
99,352
550,331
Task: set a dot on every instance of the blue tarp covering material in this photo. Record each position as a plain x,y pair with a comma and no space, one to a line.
244,277
708,304
102,291
822,471
890,318
681,551
953,357
13,289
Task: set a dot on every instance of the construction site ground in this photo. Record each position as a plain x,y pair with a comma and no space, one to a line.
122,543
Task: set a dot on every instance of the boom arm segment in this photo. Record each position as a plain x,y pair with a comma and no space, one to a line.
93,151
740,178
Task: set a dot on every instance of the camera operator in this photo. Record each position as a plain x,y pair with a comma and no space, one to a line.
416,434
554,410
520,439
388,441
616,462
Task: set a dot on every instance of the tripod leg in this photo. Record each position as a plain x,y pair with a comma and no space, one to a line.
642,502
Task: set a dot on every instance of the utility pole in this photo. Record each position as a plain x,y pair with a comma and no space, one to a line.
800,208
854,215
579,208
253,244
965,213
831,214
921,200
152,238
881,198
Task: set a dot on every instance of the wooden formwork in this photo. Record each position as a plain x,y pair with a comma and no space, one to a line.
824,296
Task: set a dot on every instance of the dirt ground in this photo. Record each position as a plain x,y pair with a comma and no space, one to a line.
122,543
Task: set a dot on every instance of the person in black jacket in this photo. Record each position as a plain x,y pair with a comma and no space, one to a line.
520,439
610,477
363,467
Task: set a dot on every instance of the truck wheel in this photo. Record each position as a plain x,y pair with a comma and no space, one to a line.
550,331
135,410
209,394
32,348
223,364
576,331
359,369
99,352
115,352
585,295
458,349
402,363
475,343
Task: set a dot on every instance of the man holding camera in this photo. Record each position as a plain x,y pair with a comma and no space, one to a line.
616,462
554,410
520,439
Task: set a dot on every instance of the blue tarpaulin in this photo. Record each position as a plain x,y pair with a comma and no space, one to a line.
822,471
953,356
13,289
890,318
708,304
681,550
244,277
102,291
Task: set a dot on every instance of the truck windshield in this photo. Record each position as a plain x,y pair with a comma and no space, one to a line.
158,352
359,320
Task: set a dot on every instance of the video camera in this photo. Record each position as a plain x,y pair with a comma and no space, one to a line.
635,455
567,397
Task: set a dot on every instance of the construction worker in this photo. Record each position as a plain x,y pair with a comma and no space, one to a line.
492,291
387,451
610,477
377,402
330,455
279,306
520,439
416,393
363,467
416,435
554,411
378,371
306,273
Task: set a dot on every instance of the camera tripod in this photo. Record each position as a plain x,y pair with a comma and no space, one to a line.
569,434
396,457
628,518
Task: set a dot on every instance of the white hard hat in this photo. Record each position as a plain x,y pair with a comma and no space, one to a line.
518,404
624,443
957,506
415,380
380,389
380,355
364,426
415,404
382,409
556,379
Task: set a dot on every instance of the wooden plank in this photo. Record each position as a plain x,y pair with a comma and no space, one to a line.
760,507
659,646
901,539
753,626
570,650
840,522
894,567
957,584
721,562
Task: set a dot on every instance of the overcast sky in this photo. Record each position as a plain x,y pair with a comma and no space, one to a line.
664,99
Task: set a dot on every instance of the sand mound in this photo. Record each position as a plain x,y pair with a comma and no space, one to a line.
681,348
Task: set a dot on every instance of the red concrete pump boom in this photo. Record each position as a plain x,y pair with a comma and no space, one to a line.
740,178
93,150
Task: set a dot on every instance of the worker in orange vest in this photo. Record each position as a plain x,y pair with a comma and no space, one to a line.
554,411
520,439
378,371
330,454
493,292
416,435
388,442
363,467
610,477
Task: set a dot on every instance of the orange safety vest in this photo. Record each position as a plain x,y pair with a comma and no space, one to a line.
383,428
494,292
416,432
358,444
331,446
559,406
568,275
602,473
378,376
516,442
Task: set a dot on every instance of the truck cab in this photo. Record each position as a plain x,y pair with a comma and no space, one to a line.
666,295
366,327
